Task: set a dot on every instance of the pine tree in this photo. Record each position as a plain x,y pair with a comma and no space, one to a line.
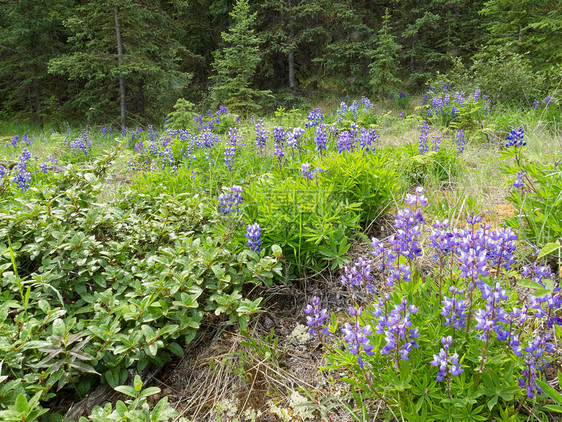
123,59
384,66
236,63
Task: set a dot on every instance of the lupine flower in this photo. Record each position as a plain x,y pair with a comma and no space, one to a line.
26,139
435,142
501,246
443,240
534,360
3,171
22,177
253,234
321,137
515,138
536,103
367,138
315,117
356,336
261,137
278,136
345,142
424,138
519,181
447,364
230,201
454,309
316,318
461,141
547,101
400,338
358,274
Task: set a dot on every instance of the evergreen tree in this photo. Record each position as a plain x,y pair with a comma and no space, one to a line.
124,58
236,63
385,64
31,33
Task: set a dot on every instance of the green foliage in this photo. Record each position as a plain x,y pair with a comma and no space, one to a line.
432,166
121,285
302,217
183,116
136,408
539,201
236,63
384,66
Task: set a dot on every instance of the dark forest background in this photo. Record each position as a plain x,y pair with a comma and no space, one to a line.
100,61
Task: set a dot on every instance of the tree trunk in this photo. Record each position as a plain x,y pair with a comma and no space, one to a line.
291,53
119,61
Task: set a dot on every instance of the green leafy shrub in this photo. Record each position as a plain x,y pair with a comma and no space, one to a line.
98,290
537,197
183,116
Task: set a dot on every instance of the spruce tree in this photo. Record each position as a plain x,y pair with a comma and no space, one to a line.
384,65
236,63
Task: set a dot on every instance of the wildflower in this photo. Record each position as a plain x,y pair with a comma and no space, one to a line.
461,141
515,138
519,181
230,201
423,138
447,364
316,318
356,336
261,137
454,309
253,234
321,137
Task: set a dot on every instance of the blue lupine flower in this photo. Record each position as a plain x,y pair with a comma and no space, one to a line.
316,317
515,138
230,200
253,234
424,138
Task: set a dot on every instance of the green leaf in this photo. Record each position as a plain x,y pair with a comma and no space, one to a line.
127,390
548,249
21,404
150,391
529,284
176,349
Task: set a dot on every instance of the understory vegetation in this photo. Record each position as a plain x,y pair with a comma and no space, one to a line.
120,248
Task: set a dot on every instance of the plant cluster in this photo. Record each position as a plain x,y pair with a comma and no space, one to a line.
457,343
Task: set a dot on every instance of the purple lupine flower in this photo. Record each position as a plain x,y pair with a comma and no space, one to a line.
278,136
230,200
519,181
435,142
461,141
359,274
253,234
536,103
443,240
447,364
367,138
306,171
400,338
454,309
321,137
515,138
345,142
22,177
424,138
26,139
356,336
316,318
534,361
547,101
315,117
44,167
501,245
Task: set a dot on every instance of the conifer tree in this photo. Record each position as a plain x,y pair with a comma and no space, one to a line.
236,63
384,65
